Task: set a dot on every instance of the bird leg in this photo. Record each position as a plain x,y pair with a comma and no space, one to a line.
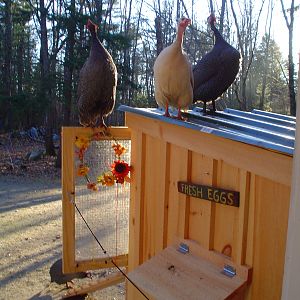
204,108
167,114
100,123
214,105
179,116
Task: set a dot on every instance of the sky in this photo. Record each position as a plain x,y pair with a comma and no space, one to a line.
279,31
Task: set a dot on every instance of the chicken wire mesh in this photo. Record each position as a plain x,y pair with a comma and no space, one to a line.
106,211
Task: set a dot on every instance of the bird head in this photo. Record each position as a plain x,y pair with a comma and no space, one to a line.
211,19
92,27
184,22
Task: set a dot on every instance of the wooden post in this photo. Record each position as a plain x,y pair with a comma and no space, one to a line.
291,281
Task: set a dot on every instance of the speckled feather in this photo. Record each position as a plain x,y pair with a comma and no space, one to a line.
97,85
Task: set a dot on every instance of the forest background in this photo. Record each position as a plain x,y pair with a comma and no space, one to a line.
44,44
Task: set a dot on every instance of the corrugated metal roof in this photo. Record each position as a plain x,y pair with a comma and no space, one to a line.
263,129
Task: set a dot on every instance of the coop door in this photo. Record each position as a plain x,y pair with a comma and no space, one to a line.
104,207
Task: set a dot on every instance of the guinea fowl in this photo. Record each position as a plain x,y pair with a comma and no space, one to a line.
173,78
216,71
97,83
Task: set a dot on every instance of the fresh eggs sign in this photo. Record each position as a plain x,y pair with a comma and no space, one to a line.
209,193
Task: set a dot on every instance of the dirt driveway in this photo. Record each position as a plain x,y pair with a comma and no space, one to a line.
30,239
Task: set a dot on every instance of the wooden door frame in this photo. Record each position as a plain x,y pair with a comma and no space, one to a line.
70,264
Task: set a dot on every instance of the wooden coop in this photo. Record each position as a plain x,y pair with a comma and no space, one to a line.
209,204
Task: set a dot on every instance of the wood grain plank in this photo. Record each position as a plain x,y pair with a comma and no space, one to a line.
119,133
226,216
101,263
271,218
100,284
240,236
173,275
68,194
250,232
136,209
177,209
268,164
156,162
201,211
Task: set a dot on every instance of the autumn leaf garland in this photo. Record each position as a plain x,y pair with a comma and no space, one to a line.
119,169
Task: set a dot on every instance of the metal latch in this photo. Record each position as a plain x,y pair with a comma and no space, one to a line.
183,248
229,271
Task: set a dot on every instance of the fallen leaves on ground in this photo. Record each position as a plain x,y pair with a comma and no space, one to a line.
14,153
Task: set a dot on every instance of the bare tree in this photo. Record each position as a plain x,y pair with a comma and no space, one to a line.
159,35
69,63
134,50
247,32
178,10
7,80
223,7
48,63
211,6
45,77
291,66
158,29
265,69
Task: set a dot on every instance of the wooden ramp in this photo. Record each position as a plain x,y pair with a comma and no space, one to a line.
197,274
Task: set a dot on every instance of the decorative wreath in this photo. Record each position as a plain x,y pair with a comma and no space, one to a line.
119,169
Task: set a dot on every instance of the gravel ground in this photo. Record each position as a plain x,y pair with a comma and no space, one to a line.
30,231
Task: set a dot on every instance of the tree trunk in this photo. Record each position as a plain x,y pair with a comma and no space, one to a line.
291,74
69,66
45,78
7,63
133,59
178,10
264,81
222,16
159,35
290,26
99,7
247,45
20,64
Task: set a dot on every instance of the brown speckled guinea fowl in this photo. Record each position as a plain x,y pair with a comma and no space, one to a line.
97,83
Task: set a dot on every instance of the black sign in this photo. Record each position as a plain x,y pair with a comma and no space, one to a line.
209,193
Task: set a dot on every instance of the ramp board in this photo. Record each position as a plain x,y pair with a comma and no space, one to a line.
195,275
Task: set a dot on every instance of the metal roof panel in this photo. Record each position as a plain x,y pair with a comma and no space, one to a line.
267,131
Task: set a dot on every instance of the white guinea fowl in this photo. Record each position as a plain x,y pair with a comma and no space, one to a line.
173,77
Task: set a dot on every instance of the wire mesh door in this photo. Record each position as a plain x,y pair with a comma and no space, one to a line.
104,207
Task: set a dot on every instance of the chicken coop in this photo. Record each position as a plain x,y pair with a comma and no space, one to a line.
209,204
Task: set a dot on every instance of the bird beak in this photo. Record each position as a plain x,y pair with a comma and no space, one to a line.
185,22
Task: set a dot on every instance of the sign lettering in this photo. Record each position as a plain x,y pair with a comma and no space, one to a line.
209,193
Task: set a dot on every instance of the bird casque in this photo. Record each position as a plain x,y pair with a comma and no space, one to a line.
97,83
216,71
173,78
